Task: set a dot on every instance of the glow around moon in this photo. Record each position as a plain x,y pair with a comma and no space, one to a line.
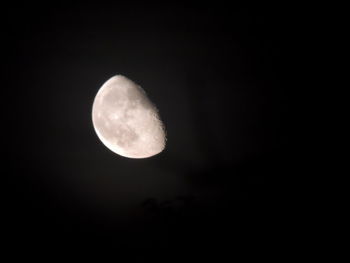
126,121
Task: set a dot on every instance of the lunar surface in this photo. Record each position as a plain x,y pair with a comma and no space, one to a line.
126,121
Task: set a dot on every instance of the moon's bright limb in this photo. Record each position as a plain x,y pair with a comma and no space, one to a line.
125,119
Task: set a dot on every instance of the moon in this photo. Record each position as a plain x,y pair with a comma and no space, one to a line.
126,121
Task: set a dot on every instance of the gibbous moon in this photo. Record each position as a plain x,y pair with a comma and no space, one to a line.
126,121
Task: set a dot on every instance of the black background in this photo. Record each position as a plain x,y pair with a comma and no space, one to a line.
217,74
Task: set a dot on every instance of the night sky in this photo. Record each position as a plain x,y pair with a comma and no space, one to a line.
217,75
